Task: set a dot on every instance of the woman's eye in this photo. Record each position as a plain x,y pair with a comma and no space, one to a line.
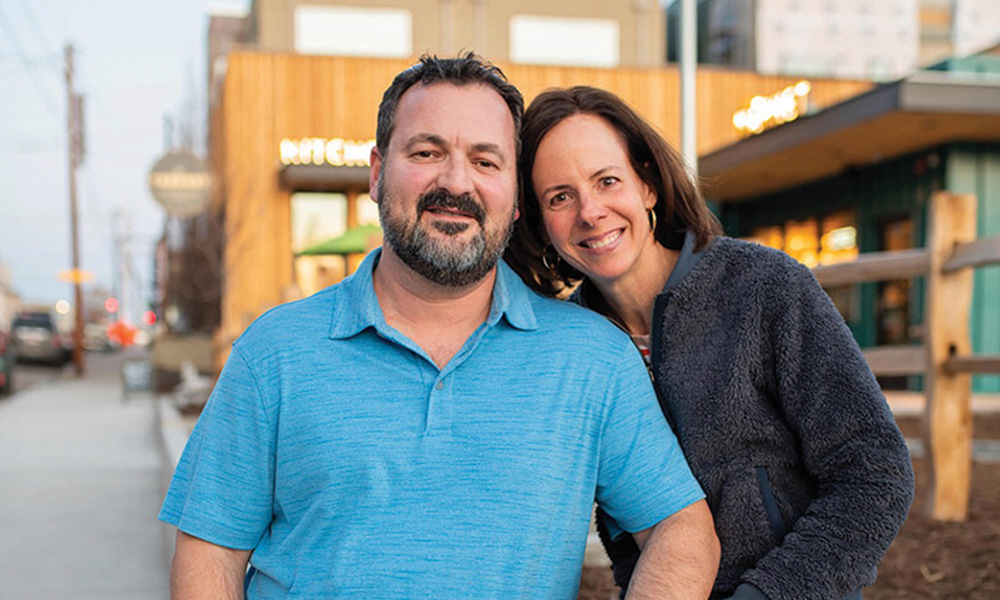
557,200
608,181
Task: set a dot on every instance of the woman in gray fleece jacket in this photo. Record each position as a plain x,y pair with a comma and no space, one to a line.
781,420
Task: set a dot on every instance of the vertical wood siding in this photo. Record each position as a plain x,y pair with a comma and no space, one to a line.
267,97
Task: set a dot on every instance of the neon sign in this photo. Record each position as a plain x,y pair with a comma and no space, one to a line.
319,151
765,112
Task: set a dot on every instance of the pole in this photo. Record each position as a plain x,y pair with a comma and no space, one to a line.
689,59
124,305
948,420
74,146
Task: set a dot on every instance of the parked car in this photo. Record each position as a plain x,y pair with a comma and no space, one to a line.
96,339
7,359
36,338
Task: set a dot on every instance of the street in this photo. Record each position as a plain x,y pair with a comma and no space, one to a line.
80,486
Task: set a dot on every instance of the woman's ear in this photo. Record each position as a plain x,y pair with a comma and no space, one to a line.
649,197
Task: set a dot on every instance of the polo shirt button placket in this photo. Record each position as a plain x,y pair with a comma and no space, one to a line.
439,409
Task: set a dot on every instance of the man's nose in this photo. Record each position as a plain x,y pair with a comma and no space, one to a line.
455,177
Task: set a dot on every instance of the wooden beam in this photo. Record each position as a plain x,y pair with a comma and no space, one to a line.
974,364
980,253
875,266
897,360
948,435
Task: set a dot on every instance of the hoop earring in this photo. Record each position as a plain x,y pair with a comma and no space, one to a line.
554,264
651,214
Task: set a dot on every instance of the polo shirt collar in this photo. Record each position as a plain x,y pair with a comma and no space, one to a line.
356,308
512,298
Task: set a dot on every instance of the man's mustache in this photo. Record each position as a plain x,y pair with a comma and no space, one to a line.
441,198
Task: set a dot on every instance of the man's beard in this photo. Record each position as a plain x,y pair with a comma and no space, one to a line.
450,262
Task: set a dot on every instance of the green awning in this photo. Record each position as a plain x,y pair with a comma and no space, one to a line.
356,240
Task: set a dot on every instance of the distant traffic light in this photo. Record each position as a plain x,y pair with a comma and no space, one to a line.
111,305
149,318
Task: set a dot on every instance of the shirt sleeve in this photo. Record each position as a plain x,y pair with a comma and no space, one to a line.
643,477
222,489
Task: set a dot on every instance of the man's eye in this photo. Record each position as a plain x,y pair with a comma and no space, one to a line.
486,164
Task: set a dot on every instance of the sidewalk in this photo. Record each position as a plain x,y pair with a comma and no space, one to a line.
80,486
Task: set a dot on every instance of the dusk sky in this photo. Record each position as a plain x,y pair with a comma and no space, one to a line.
136,62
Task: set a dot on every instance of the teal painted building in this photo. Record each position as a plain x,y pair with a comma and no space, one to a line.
858,176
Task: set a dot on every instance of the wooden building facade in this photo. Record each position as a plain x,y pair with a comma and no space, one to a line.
290,136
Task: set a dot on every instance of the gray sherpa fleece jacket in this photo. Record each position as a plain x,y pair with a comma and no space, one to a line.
783,424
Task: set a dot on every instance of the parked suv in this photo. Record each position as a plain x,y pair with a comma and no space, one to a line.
6,363
37,338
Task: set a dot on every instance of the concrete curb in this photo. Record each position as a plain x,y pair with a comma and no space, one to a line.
173,435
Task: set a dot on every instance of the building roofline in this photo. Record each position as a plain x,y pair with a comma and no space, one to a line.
892,109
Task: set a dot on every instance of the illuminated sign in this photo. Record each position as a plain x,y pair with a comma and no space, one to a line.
181,183
322,151
76,276
765,112
842,238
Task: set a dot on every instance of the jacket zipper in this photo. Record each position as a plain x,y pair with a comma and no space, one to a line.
659,305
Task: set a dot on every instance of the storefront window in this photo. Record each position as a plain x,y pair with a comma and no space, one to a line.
367,210
839,240
353,31
317,218
812,242
802,241
579,42
893,308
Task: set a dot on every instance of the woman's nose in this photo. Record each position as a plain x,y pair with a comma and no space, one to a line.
591,210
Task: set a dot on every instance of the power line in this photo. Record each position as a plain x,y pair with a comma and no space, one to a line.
49,61
96,101
43,42
46,95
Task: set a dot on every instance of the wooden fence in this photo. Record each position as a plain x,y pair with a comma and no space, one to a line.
945,358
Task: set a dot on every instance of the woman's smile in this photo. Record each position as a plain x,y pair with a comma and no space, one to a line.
602,241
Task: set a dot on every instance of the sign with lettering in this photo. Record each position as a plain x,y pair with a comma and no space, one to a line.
337,152
181,183
765,112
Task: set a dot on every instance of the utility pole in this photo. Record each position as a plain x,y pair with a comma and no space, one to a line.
75,151
689,60
125,263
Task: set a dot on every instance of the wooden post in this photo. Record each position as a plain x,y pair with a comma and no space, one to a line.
948,418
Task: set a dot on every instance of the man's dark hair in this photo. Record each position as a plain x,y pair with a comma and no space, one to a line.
465,70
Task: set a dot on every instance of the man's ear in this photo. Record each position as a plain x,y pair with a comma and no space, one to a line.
373,174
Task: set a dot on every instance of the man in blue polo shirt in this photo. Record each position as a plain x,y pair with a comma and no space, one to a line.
430,428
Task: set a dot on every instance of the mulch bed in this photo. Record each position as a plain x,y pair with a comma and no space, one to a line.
930,559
